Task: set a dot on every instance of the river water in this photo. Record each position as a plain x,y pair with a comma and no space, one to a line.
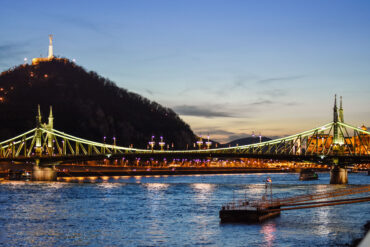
169,211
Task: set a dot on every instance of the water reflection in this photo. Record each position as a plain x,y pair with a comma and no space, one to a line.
323,227
106,185
203,191
156,186
268,230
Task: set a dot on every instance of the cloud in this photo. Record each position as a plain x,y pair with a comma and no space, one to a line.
292,103
262,102
198,111
82,23
214,132
10,53
276,79
273,92
242,80
10,50
148,91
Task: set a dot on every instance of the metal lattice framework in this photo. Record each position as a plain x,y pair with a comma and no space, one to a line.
330,139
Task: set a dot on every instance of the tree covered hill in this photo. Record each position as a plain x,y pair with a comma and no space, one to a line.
85,105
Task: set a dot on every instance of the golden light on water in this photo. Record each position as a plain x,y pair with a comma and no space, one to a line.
204,187
203,191
156,186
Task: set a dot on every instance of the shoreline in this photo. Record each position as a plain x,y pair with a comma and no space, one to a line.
98,171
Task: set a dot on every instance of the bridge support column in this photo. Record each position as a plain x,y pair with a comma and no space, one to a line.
42,173
338,175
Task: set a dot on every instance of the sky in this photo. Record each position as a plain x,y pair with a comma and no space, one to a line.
227,67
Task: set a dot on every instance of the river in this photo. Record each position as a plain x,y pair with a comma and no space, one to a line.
169,211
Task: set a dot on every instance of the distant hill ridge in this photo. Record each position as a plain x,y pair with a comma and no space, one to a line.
247,140
85,105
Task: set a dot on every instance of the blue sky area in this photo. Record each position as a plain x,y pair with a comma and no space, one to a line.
228,68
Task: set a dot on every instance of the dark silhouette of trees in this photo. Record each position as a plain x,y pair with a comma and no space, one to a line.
85,105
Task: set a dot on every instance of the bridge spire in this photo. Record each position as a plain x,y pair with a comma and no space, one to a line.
341,118
51,118
338,138
38,133
335,110
50,127
38,117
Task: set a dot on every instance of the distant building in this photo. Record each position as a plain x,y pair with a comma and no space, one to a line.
358,144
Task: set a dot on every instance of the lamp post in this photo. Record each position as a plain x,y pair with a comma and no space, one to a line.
200,142
208,143
103,148
152,143
161,143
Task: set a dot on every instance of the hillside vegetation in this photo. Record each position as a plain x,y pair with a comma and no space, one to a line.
85,105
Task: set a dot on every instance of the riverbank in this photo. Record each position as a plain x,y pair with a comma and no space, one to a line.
134,171
87,171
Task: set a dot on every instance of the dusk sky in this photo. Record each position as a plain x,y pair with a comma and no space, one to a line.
226,67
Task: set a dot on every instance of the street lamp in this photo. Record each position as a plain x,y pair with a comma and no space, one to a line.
152,143
200,142
161,143
114,144
208,143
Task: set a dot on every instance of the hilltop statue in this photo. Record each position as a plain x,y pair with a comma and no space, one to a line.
50,57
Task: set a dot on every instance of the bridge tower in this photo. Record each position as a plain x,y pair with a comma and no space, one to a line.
338,174
341,140
43,172
338,138
49,126
38,133
335,121
341,118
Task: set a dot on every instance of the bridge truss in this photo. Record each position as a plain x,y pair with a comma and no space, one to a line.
335,139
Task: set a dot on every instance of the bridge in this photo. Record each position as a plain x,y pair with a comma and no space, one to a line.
337,144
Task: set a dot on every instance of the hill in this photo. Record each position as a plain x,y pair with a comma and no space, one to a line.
85,105
246,141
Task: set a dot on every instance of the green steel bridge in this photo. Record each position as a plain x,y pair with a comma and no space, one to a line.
334,143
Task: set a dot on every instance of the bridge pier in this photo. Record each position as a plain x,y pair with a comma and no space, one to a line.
338,175
43,173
